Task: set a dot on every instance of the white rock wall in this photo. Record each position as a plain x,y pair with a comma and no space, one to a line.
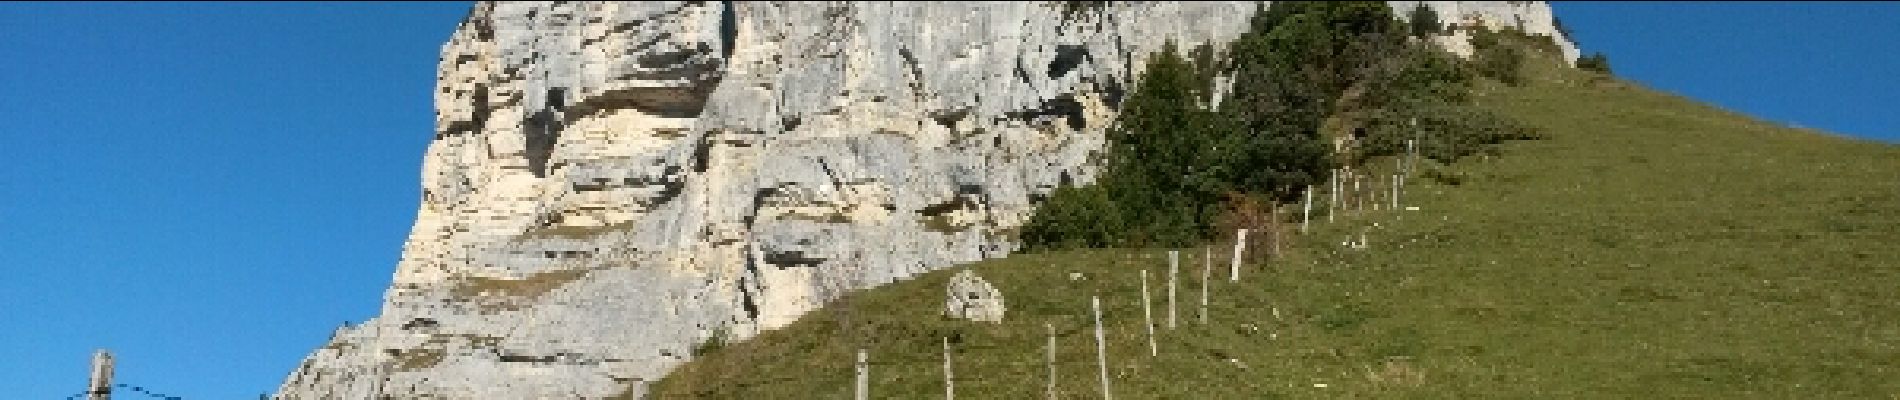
1533,17
613,183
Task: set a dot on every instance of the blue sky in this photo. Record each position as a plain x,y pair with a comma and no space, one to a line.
209,189
206,189
1831,66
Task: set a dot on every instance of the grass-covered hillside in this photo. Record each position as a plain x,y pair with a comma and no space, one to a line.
1647,246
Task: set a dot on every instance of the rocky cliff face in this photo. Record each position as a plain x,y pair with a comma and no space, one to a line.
613,183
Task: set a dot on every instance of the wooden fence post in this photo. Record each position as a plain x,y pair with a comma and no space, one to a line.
1396,181
1358,196
1240,248
1276,231
949,385
1332,207
1147,315
1306,210
1207,268
864,376
99,387
1051,359
1101,346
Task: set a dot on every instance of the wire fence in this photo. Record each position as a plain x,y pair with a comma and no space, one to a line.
129,388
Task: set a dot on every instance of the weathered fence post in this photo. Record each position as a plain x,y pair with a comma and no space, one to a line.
1240,247
1101,346
949,385
1376,192
99,387
864,376
1306,210
1174,273
1396,181
1278,228
1051,359
1332,206
1207,268
1358,196
1147,315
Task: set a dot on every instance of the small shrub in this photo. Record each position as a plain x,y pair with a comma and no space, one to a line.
1424,21
1445,177
1074,217
1495,59
714,342
1596,62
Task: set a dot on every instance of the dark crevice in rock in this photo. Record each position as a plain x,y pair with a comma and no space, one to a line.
1112,93
728,29
668,191
543,130
789,259
419,323
702,152
916,73
667,102
1061,106
746,298
1068,57
949,118
791,122
478,118
959,201
758,199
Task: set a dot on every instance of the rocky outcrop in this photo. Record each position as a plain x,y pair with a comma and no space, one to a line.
1532,17
613,183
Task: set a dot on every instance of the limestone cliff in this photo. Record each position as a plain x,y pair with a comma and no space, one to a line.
613,183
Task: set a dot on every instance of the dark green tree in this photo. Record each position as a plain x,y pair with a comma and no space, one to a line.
1595,62
1175,170
1158,175
1424,21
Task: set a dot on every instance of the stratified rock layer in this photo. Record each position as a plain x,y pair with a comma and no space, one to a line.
613,183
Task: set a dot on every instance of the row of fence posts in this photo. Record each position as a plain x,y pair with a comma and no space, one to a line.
1174,268
863,381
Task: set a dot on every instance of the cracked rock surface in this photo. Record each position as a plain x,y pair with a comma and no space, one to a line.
613,183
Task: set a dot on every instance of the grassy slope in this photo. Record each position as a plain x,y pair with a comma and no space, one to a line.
1649,247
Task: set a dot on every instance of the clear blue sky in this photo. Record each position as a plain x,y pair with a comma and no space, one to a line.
1831,66
209,189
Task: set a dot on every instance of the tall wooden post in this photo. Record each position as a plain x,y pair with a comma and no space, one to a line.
1147,315
1101,346
1240,248
864,376
100,386
1306,210
1395,191
1358,195
949,385
1332,207
1051,359
1411,149
1207,268
1275,231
